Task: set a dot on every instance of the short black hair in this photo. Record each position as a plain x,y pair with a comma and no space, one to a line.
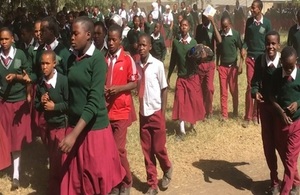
273,33
259,3
52,25
7,30
225,18
27,26
51,53
145,35
86,23
101,25
288,52
116,28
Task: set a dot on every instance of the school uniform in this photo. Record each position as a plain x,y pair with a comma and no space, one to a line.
205,35
158,50
5,159
151,27
188,102
286,90
167,32
16,120
121,70
294,39
262,82
152,122
190,18
132,37
254,40
93,165
62,55
228,69
56,123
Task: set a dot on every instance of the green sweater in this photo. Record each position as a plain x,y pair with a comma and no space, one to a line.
228,49
262,78
286,92
158,48
59,95
178,57
294,39
255,36
206,36
15,91
86,91
62,55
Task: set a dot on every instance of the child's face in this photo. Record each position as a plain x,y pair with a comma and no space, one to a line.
47,64
156,28
150,18
6,40
289,64
136,22
144,46
272,45
225,26
184,27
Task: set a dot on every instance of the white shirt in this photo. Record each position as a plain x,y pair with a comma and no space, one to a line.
11,56
53,45
53,80
260,21
31,43
155,81
123,13
293,74
89,52
275,62
188,39
229,33
125,31
168,18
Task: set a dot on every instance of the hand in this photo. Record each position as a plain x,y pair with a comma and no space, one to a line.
244,53
28,98
217,67
292,108
45,97
113,90
210,18
67,143
168,82
49,105
10,77
259,97
26,77
286,119
240,69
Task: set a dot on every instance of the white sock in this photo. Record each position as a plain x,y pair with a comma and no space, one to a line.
182,128
16,161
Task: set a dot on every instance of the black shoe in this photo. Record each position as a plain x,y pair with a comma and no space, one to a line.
151,191
125,191
114,191
295,190
15,185
167,178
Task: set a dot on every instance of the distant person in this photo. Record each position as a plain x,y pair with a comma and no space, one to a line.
239,18
158,47
294,37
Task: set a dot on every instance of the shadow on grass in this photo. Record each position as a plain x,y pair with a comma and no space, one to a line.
226,171
138,184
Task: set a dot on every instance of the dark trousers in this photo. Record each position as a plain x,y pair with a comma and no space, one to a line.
119,128
153,141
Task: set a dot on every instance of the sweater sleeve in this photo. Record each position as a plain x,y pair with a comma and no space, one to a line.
96,90
257,77
246,37
173,60
63,106
289,39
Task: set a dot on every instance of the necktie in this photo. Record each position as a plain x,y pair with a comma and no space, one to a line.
48,47
183,41
288,78
109,73
257,23
271,66
48,86
80,58
143,81
5,60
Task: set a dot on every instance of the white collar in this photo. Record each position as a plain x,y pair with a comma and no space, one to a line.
104,44
293,74
11,53
88,52
275,62
36,46
260,21
155,37
31,43
53,80
229,33
188,39
149,61
298,26
208,26
53,45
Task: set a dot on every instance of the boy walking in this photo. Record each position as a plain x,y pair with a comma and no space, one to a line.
152,115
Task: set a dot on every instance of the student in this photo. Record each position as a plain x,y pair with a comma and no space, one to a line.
285,95
27,39
168,25
208,34
52,99
14,98
228,66
185,109
255,31
132,37
294,36
92,165
153,100
120,80
100,37
49,35
158,49
151,24
261,83
176,27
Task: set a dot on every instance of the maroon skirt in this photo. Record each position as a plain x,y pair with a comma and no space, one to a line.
5,157
188,102
93,166
16,123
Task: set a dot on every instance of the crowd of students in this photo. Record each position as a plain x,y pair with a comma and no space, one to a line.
70,79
